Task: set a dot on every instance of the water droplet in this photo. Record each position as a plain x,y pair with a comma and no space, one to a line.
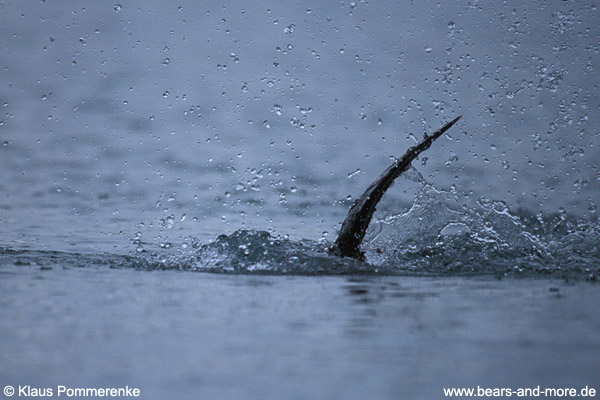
500,207
118,7
452,160
354,173
167,222
290,29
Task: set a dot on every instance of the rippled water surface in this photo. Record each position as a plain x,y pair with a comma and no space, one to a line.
141,143
182,335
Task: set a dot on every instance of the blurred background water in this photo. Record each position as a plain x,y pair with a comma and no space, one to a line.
134,134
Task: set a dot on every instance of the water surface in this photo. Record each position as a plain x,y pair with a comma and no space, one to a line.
185,335
171,176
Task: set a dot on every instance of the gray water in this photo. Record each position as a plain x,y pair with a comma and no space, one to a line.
141,143
183,335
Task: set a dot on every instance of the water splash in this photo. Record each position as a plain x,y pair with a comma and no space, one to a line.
437,236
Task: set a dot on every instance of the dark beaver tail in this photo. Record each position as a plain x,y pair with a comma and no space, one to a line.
355,225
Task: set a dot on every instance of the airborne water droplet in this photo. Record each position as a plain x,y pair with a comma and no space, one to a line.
452,159
290,29
353,173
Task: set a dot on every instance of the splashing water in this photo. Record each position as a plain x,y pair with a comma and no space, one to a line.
247,251
437,236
